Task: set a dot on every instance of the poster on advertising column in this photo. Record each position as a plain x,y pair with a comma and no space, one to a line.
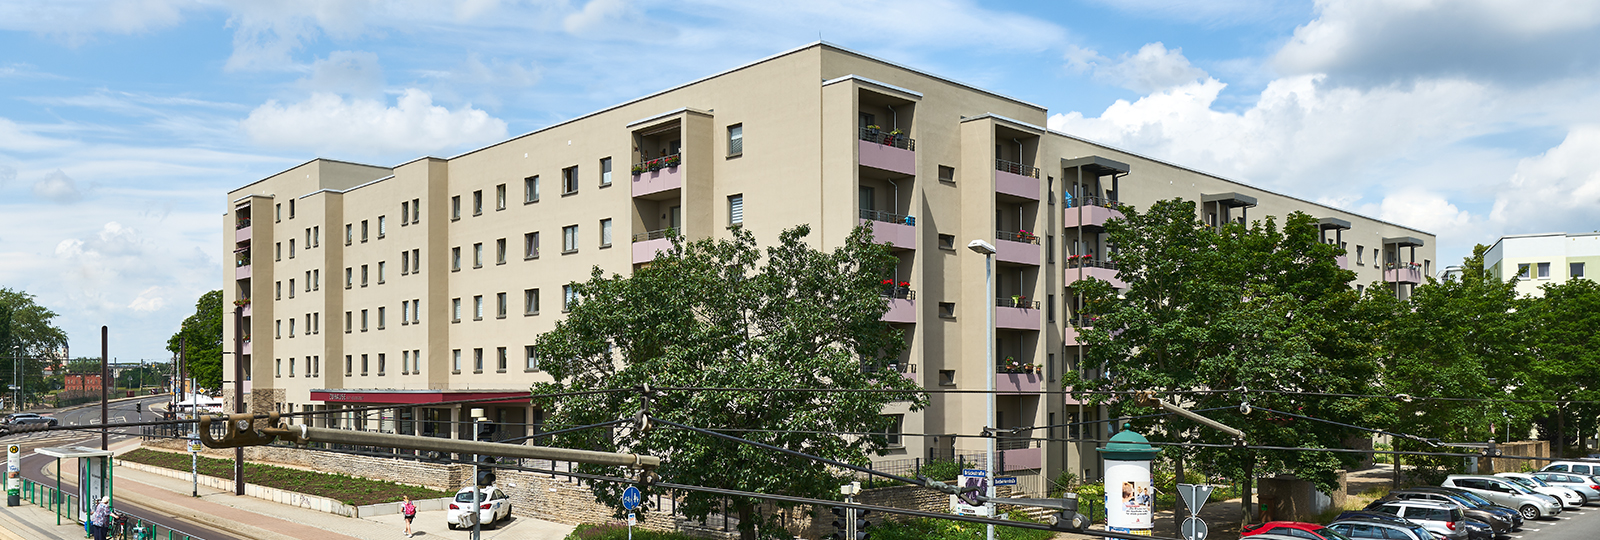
1129,496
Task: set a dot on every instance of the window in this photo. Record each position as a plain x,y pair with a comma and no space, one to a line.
416,360
455,207
405,262
530,245
1374,256
1360,289
947,241
947,174
383,226
1361,254
363,321
477,307
416,261
308,281
500,197
277,290
416,211
500,305
277,251
363,365
380,364
1050,307
477,202
891,432
277,212
316,279
500,360
1427,267
349,234
1576,270
291,328
291,248
605,233
382,270
569,297
316,323
1050,248
291,288
500,251
277,332
1522,273
477,255
347,319
455,310
277,370
383,316
947,310
569,180
530,189
308,243
947,377
736,209
291,208
363,275
416,310
530,301
735,140
1050,189
531,358
1544,270
349,366
455,360
405,362
605,172
569,239
405,213
455,259
477,360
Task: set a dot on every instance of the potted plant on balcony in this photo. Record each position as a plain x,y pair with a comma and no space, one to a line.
638,169
673,160
872,131
904,290
888,287
1010,366
242,302
1017,299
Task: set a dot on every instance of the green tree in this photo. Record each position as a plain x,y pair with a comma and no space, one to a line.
1566,360
28,331
716,314
202,334
1238,313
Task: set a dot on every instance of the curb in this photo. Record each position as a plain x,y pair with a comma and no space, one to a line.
189,515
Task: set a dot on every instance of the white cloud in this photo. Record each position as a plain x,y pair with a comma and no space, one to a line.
1151,69
18,138
267,33
1424,210
7,174
75,22
346,72
57,187
150,299
1558,190
608,16
329,124
1208,11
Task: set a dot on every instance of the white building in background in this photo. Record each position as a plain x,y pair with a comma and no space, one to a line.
1537,259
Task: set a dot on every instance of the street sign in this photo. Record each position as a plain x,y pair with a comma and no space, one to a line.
1194,529
1194,496
630,498
632,521
1006,481
195,446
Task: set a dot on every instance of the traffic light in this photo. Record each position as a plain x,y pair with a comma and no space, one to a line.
838,524
486,433
138,408
862,524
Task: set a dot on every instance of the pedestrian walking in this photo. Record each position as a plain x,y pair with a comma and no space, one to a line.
409,510
101,517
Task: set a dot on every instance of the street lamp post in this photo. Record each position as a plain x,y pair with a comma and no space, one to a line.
987,249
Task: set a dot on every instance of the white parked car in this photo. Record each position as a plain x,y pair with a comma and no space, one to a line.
1569,498
493,505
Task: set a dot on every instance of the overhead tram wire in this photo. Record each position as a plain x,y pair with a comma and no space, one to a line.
1120,392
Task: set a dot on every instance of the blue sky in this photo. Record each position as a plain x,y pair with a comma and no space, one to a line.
124,122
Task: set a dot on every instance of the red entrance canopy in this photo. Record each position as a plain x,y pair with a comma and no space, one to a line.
401,396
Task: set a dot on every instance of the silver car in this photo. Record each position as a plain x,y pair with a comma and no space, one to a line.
1571,498
1583,484
1579,467
1367,528
1445,520
1504,492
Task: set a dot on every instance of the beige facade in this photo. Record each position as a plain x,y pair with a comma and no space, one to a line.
1539,259
818,135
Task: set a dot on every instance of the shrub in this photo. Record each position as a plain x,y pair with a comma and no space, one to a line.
618,531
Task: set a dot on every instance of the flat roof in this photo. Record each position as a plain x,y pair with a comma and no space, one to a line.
1232,198
1333,223
1096,164
1403,241
73,452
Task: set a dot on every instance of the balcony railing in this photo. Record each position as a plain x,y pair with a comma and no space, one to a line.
1409,266
1017,236
654,235
1016,168
1013,443
1016,302
888,217
1084,261
1103,202
243,222
1083,320
888,138
903,293
665,162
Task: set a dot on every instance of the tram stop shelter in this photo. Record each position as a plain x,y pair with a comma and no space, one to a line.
94,476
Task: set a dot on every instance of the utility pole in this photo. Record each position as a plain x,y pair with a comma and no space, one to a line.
477,495
238,395
105,371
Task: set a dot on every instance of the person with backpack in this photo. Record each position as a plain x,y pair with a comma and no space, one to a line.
409,510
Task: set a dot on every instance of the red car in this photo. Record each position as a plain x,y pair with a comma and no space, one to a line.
1308,531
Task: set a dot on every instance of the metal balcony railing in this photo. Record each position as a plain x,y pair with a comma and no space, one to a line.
1014,443
1104,202
1017,236
903,293
657,164
1016,168
888,138
243,222
1016,302
654,235
888,217
1407,265
1084,261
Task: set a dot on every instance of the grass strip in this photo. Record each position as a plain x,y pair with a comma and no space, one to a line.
351,490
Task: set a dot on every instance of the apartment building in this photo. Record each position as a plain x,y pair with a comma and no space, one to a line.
426,282
1538,259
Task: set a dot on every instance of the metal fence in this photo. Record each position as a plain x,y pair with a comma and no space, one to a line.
888,138
66,507
1016,168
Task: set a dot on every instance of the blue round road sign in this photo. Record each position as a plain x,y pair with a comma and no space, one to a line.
630,498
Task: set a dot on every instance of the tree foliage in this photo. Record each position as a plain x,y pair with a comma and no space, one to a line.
716,314
28,330
1564,330
202,337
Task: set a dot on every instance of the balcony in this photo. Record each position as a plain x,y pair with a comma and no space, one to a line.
647,245
888,151
1069,336
1018,455
1016,313
241,264
247,308
902,305
897,230
1402,273
1343,261
1017,383
1095,212
658,175
246,345
1084,267
1016,179
1016,247
241,234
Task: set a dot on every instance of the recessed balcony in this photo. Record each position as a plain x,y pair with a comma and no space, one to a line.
646,246
241,264
1081,267
902,305
241,232
1020,458
1016,179
1016,313
1402,273
1016,247
1094,212
897,230
888,151
658,175
1017,383
246,347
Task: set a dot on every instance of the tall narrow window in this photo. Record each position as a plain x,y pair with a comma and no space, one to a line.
530,358
382,271
477,203
477,308
347,324
735,140
569,180
291,248
500,251
1050,248
736,209
500,360
530,245
416,261
477,255
455,258
363,321
455,360
500,197
455,310
363,275
349,234
477,360
416,310
380,364
405,362
416,211
605,172
530,189
530,301
605,233
291,208
405,262
455,207
363,365
500,305
291,288
316,279
383,316
569,297
405,213
405,307
363,231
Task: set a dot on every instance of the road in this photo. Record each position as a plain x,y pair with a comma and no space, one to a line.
1570,525
33,465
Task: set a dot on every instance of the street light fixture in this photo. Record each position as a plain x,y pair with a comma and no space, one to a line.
988,251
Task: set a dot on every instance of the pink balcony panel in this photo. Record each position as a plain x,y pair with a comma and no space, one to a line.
247,347
1344,261
901,311
247,308
1017,383
1093,216
650,182
241,235
1017,185
1067,399
1024,458
1016,252
1070,336
1012,318
1403,275
1096,272
645,251
888,158
241,272
898,235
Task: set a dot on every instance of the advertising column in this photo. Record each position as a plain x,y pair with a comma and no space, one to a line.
1130,497
13,475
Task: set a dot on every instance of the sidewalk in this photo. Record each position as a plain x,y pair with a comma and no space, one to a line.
256,519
